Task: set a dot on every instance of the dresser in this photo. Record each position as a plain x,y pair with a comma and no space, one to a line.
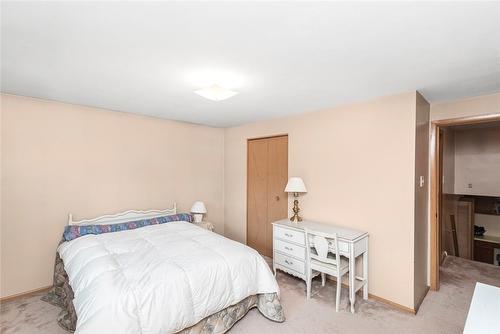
289,253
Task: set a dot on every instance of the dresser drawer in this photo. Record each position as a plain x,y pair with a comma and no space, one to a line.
289,235
288,262
344,247
291,249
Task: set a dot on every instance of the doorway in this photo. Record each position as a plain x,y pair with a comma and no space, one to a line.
457,199
267,175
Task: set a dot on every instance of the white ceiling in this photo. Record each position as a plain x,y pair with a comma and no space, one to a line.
287,57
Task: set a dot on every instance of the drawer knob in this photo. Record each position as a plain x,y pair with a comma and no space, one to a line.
288,262
288,235
288,248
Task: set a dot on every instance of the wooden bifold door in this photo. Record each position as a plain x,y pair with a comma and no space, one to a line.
267,175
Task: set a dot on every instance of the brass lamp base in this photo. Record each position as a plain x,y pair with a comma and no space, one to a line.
296,218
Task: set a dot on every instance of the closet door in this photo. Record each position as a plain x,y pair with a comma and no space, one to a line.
277,199
257,194
266,181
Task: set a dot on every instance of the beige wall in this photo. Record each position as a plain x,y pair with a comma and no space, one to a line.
421,243
448,161
477,161
59,158
480,105
358,163
1,201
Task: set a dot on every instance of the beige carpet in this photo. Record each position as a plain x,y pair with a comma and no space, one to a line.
441,312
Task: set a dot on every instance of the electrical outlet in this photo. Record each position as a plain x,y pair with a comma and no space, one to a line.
470,185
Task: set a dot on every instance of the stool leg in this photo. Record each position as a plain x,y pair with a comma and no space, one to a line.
339,286
309,283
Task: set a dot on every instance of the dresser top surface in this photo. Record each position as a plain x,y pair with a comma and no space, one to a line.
341,231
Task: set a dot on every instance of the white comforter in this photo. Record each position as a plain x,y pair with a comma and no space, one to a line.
160,278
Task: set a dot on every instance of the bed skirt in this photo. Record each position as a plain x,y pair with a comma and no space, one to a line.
268,304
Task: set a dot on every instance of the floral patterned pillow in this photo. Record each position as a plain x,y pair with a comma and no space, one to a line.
72,232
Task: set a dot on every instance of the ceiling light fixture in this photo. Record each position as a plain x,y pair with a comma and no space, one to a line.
215,93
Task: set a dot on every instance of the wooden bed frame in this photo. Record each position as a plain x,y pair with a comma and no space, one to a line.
122,217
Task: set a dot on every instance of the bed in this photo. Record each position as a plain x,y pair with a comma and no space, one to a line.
155,272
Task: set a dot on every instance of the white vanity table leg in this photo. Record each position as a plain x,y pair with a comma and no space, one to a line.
352,277
365,272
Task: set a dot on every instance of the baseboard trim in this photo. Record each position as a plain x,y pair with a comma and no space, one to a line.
392,304
24,294
383,300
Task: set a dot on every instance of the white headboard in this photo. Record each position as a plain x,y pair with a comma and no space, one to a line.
123,217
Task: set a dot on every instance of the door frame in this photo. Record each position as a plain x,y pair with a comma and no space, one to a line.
435,209
246,192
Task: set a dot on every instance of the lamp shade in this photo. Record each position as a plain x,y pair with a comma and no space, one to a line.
198,207
295,185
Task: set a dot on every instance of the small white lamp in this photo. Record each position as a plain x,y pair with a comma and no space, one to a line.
198,209
296,186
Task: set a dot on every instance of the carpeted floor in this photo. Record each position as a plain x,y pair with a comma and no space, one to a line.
441,312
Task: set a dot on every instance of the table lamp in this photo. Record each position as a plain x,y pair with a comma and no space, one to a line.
198,209
295,186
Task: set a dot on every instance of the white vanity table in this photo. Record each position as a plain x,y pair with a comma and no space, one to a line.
289,251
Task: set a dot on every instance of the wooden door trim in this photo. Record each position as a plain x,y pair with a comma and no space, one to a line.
434,175
248,143
267,137
435,210
468,120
